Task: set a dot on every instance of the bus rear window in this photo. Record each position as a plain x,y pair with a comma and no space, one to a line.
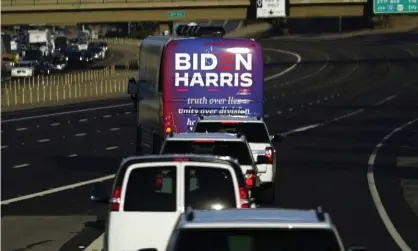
254,132
258,239
235,149
151,189
209,188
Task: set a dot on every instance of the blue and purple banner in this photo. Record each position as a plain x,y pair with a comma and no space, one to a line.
211,76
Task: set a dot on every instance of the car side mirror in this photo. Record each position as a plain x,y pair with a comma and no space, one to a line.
261,159
99,194
277,137
357,249
147,249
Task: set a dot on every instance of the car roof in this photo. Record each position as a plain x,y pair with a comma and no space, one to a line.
255,217
206,135
232,118
129,161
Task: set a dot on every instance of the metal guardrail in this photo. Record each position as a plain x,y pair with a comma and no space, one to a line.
80,2
62,88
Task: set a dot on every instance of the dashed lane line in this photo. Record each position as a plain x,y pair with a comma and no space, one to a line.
111,148
21,129
43,140
375,193
80,134
347,115
21,165
65,113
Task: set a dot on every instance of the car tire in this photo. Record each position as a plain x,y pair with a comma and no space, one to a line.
267,194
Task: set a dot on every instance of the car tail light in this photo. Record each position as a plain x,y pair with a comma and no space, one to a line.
269,154
116,199
244,200
230,122
250,177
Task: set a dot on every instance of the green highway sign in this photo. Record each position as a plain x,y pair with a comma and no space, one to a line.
176,14
395,6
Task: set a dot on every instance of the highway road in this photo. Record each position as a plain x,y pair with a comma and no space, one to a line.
348,107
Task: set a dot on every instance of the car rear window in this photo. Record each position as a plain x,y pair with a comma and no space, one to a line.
257,239
235,149
254,132
151,189
209,188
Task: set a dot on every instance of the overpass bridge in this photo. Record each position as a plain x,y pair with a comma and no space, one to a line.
14,12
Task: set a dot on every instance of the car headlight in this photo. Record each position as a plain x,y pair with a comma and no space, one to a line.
81,58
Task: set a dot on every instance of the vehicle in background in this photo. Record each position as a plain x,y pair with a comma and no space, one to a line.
77,59
32,55
97,51
181,78
61,44
23,69
221,144
41,40
259,140
258,229
104,46
59,62
150,192
43,67
83,45
7,55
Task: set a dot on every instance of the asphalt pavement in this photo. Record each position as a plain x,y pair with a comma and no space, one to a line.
343,100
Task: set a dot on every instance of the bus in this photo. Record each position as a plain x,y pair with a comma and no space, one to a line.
181,78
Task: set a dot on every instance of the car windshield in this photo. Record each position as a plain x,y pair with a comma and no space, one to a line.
254,132
257,239
236,149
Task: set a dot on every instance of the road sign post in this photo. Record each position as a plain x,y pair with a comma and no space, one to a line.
176,14
395,6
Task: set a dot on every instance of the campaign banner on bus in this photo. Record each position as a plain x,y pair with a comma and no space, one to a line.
212,77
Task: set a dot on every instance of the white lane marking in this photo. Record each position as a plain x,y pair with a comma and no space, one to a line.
344,116
21,129
20,166
96,245
80,134
386,100
72,155
57,189
4,147
127,113
114,129
82,120
65,113
375,193
298,60
43,140
111,148
107,116
55,124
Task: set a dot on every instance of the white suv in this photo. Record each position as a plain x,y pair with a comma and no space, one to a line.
258,137
222,144
255,230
